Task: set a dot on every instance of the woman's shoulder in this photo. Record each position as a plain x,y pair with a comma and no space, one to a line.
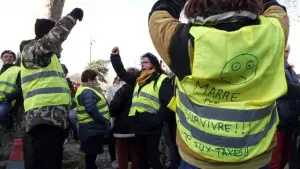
162,76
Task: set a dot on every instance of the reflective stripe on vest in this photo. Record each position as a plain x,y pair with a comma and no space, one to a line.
8,82
42,75
231,116
226,109
146,99
82,116
49,90
45,86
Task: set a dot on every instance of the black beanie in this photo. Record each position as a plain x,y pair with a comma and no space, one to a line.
10,52
42,27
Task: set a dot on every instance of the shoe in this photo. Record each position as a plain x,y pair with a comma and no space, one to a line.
115,164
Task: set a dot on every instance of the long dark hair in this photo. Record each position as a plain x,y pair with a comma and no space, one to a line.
154,61
207,8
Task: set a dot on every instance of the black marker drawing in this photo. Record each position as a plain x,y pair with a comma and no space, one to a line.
241,69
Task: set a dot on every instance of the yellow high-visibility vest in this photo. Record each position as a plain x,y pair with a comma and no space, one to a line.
146,99
226,109
45,86
8,82
82,115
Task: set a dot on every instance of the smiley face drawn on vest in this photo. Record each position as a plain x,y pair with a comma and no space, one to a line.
241,69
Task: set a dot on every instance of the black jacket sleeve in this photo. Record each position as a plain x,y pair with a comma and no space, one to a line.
174,7
165,96
71,86
120,70
89,100
114,106
17,93
269,3
121,98
293,91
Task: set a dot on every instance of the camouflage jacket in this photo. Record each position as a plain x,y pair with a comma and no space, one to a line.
37,54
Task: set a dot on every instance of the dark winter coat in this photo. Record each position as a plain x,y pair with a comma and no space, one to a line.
119,108
100,125
288,107
145,123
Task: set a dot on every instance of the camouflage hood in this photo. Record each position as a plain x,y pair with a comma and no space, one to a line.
24,43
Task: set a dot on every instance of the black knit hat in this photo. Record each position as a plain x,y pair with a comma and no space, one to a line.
42,27
10,52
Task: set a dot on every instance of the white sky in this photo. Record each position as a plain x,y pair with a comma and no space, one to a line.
111,23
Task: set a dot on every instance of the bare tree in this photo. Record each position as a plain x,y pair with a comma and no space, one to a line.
54,9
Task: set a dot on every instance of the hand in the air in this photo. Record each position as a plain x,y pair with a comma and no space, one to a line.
77,13
115,50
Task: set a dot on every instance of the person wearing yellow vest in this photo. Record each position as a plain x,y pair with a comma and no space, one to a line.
93,117
46,92
229,66
10,87
152,93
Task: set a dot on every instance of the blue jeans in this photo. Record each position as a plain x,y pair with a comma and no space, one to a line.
171,143
73,119
185,165
74,124
5,108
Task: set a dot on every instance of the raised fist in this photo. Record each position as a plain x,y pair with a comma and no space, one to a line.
77,13
115,50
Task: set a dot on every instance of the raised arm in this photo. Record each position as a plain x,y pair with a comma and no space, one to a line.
52,41
119,67
163,23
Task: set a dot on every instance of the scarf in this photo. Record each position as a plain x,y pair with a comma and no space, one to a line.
145,75
93,85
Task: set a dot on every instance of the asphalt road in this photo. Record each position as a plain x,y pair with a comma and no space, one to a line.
102,161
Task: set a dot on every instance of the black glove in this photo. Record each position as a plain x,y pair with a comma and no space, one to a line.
174,7
77,13
268,3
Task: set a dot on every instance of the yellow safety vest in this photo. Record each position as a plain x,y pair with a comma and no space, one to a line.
45,86
8,82
82,115
146,99
226,109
